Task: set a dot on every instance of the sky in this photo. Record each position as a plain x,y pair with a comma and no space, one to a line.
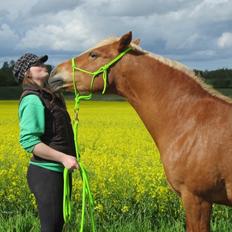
197,33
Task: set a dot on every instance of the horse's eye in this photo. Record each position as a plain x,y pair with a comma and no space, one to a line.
93,55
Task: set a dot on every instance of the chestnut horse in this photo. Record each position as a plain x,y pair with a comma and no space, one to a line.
190,122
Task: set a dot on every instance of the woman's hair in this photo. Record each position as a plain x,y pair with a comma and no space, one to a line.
27,80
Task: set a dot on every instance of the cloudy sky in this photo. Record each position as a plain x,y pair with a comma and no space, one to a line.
197,33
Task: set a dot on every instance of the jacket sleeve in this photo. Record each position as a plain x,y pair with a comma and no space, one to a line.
31,121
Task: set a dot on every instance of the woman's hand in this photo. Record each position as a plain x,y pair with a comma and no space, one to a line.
70,162
44,151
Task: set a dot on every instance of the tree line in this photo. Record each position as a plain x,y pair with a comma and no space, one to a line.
220,78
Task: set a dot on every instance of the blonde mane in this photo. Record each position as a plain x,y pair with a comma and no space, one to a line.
171,63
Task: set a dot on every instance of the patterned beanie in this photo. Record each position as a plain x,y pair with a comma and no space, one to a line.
24,63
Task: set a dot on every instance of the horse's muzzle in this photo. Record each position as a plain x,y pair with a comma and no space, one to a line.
55,82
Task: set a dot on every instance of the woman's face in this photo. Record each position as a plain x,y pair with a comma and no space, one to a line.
39,73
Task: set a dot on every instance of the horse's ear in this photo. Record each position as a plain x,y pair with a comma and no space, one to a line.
136,41
125,41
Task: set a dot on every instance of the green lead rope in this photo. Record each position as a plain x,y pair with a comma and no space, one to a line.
83,172
86,189
67,209
67,206
57,167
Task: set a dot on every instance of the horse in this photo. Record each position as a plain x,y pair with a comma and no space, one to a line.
189,121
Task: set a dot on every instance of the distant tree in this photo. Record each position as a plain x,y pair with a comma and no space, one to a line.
6,75
11,64
5,65
220,78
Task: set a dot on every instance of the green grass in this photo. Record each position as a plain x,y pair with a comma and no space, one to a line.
28,222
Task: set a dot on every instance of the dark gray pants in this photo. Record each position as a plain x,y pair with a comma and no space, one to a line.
47,187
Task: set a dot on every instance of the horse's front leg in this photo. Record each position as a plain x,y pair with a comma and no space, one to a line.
198,212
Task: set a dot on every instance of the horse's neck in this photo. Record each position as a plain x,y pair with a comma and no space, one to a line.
161,95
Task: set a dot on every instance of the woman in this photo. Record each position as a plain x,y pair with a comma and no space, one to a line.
46,132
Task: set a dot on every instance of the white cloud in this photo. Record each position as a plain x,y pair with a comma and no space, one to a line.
211,10
225,40
16,8
188,30
61,38
137,8
52,6
7,38
66,31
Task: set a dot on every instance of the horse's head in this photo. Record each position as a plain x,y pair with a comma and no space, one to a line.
64,75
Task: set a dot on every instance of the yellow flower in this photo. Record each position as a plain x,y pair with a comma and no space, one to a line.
116,150
125,209
99,208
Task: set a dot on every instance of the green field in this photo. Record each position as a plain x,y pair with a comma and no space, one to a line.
126,176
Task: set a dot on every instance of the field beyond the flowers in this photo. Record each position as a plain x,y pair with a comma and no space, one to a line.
126,176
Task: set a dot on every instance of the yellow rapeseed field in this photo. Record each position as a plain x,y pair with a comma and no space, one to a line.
126,175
